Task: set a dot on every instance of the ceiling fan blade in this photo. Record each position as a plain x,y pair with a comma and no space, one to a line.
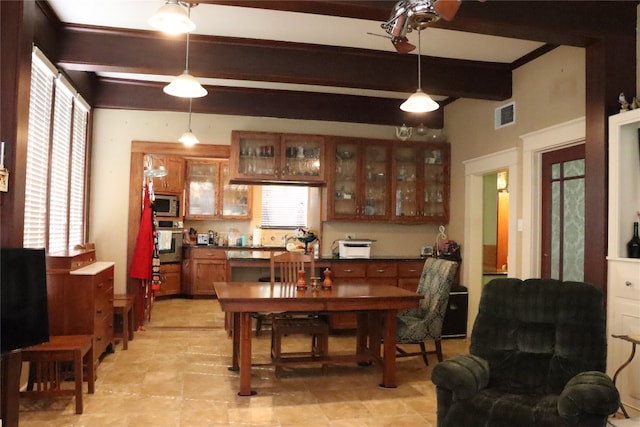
402,44
447,9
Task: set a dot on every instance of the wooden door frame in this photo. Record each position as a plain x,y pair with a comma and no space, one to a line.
554,156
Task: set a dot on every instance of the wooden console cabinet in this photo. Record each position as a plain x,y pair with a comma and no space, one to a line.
80,297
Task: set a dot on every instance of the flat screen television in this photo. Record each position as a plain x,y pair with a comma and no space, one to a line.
24,316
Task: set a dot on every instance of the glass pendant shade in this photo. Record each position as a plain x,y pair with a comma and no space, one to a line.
419,102
185,86
189,138
171,18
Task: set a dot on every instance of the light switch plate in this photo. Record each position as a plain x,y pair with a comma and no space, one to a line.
4,180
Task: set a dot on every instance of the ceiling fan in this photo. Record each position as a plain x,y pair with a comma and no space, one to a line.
408,15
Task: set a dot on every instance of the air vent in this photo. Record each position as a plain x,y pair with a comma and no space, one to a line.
505,115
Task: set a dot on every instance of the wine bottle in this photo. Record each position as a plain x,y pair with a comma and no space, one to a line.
633,247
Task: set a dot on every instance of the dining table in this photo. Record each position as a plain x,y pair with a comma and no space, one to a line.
376,307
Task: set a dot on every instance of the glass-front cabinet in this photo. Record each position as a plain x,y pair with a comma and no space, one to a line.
211,196
358,186
420,182
272,157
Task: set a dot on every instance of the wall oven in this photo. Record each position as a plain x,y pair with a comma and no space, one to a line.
169,244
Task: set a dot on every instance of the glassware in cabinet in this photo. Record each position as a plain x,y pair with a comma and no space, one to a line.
302,157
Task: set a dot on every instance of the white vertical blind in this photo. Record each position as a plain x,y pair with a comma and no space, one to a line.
60,156
35,211
77,188
55,199
284,206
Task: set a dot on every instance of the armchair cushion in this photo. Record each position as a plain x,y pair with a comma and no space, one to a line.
464,375
589,392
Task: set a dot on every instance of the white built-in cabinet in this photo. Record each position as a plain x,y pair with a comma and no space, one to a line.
623,283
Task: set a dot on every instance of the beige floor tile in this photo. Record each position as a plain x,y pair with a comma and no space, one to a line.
175,373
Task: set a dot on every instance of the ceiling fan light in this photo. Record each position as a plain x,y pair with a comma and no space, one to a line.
185,86
171,18
419,102
189,138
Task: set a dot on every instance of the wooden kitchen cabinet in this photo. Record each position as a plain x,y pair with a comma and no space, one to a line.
205,266
210,195
409,273
358,185
264,157
171,280
420,182
80,297
173,182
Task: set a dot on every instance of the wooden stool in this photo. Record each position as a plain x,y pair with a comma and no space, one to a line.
46,367
123,308
316,326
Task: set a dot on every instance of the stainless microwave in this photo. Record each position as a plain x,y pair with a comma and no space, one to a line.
167,205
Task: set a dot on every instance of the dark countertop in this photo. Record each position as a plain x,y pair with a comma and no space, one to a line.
265,249
253,255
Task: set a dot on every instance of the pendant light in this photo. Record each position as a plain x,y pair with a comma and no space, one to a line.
189,138
171,18
419,102
185,85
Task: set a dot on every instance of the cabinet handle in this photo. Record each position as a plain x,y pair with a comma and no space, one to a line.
628,283
380,270
413,270
99,311
348,270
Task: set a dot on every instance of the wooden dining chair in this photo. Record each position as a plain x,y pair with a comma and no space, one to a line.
286,267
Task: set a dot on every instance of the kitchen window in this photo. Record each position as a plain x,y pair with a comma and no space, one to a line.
55,196
284,206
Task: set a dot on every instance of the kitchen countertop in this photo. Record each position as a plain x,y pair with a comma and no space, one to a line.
266,249
252,255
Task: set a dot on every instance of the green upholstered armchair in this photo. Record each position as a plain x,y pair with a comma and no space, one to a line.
537,359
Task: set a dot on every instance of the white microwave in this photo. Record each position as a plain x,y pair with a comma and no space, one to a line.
167,205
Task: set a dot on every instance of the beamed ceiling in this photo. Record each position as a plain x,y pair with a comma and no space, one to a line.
123,65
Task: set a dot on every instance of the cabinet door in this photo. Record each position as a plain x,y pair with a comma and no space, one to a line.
435,189
343,184
420,177
202,189
170,274
206,272
407,183
254,155
358,187
173,182
236,198
302,158
375,197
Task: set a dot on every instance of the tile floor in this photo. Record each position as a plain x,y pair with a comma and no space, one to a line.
175,374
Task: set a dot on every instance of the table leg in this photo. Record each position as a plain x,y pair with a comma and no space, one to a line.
235,337
389,350
91,369
245,355
77,376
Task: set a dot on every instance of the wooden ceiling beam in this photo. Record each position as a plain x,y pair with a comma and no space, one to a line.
573,23
96,50
139,95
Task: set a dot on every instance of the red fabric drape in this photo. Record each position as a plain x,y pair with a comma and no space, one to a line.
143,254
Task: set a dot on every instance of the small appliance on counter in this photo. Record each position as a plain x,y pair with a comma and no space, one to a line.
355,249
202,239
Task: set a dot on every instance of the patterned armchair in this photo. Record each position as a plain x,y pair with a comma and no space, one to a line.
417,325
537,359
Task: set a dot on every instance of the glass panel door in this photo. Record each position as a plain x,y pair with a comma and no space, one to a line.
376,187
201,199
346,170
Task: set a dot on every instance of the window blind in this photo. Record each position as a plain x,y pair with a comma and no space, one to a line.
40,108
284,206
55,199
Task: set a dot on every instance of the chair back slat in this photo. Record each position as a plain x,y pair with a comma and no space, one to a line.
288,264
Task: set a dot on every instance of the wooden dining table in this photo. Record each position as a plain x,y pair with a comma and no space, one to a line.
376,307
